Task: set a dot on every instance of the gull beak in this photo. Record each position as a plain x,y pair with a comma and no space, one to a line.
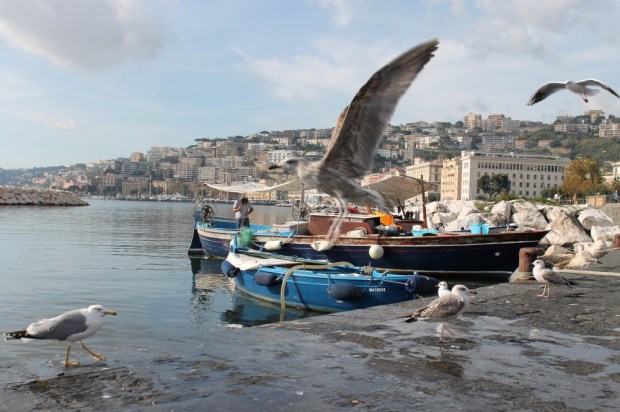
473,292
110,312
274,167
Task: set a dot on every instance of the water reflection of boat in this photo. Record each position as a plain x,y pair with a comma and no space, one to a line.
214,293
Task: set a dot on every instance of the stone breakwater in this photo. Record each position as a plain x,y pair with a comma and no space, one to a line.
35,197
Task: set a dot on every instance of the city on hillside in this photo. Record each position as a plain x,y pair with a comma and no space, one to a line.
462,160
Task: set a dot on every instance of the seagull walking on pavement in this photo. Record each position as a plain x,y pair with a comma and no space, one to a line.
548,277
72,326
444,308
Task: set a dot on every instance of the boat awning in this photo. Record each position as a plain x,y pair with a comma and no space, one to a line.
400,187
251,187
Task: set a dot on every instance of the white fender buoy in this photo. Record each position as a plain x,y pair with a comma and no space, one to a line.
273,245
321,245
376,251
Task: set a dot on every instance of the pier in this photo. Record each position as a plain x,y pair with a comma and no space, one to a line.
514,351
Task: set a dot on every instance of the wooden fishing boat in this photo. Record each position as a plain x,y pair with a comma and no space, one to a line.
320,286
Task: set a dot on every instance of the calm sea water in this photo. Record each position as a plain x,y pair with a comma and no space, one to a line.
128,256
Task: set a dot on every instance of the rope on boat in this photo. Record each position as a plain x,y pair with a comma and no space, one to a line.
302,266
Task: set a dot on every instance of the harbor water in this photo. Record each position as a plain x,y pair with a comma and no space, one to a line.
129,256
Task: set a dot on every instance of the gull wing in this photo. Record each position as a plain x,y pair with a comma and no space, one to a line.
60,327
594,82
544,91
361,125
553,278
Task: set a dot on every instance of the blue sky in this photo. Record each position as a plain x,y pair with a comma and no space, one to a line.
84,80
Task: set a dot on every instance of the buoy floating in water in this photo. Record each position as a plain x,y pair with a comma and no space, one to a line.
376,251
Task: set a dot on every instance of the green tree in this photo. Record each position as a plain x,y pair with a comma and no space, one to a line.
494,185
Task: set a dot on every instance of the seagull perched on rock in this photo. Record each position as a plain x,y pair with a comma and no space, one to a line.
579,88
443,289
449,306
357,135
548,277
72,326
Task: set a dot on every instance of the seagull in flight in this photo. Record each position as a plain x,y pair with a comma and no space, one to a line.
579,88
72,326
449,306
357,135
548,277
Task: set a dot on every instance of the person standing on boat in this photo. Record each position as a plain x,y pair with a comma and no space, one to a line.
242,208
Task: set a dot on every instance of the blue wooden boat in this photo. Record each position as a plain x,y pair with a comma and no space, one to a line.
320,286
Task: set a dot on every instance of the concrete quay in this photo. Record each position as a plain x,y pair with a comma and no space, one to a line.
514,351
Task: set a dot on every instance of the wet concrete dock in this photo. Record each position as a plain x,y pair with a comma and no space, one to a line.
514,351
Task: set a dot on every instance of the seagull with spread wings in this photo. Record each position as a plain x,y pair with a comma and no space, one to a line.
357,135
581,88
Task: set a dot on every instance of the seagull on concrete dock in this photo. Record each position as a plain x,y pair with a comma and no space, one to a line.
548,277
445,307
443,289
357,135
72,326
579,88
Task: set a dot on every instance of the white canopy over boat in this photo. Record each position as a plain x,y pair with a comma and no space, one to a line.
393,187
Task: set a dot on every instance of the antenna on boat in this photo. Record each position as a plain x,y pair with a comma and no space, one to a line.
424,223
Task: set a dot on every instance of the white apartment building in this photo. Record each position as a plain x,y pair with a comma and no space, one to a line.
276,156
528,175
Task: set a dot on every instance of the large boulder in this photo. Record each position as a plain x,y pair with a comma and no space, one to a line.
464,222
604,232
558,255
530,218
594,217
581,259
444,218
503,209
565,230
434,207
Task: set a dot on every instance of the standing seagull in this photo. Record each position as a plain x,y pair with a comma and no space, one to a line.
71,326
579,88
445,307
357,135
443,289
548,277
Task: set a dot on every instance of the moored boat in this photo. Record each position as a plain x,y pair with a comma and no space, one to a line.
493,255
320,286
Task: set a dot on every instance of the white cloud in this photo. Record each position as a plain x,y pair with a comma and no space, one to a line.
541,29
332,66
341,9
61,124
84,34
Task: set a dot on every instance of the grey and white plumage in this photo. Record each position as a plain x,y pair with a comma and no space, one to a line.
446,307
357,135
443,289
579,88
72,326
548,277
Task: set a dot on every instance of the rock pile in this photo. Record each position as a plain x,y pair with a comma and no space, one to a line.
578,234
35,197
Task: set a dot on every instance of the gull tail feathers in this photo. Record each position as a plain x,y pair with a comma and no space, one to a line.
16,335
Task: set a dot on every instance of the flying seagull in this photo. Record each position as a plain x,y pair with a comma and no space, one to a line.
71,327
449,306
443,289
548,277
579,88
357,135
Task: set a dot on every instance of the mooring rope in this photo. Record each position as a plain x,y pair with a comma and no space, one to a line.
302,266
